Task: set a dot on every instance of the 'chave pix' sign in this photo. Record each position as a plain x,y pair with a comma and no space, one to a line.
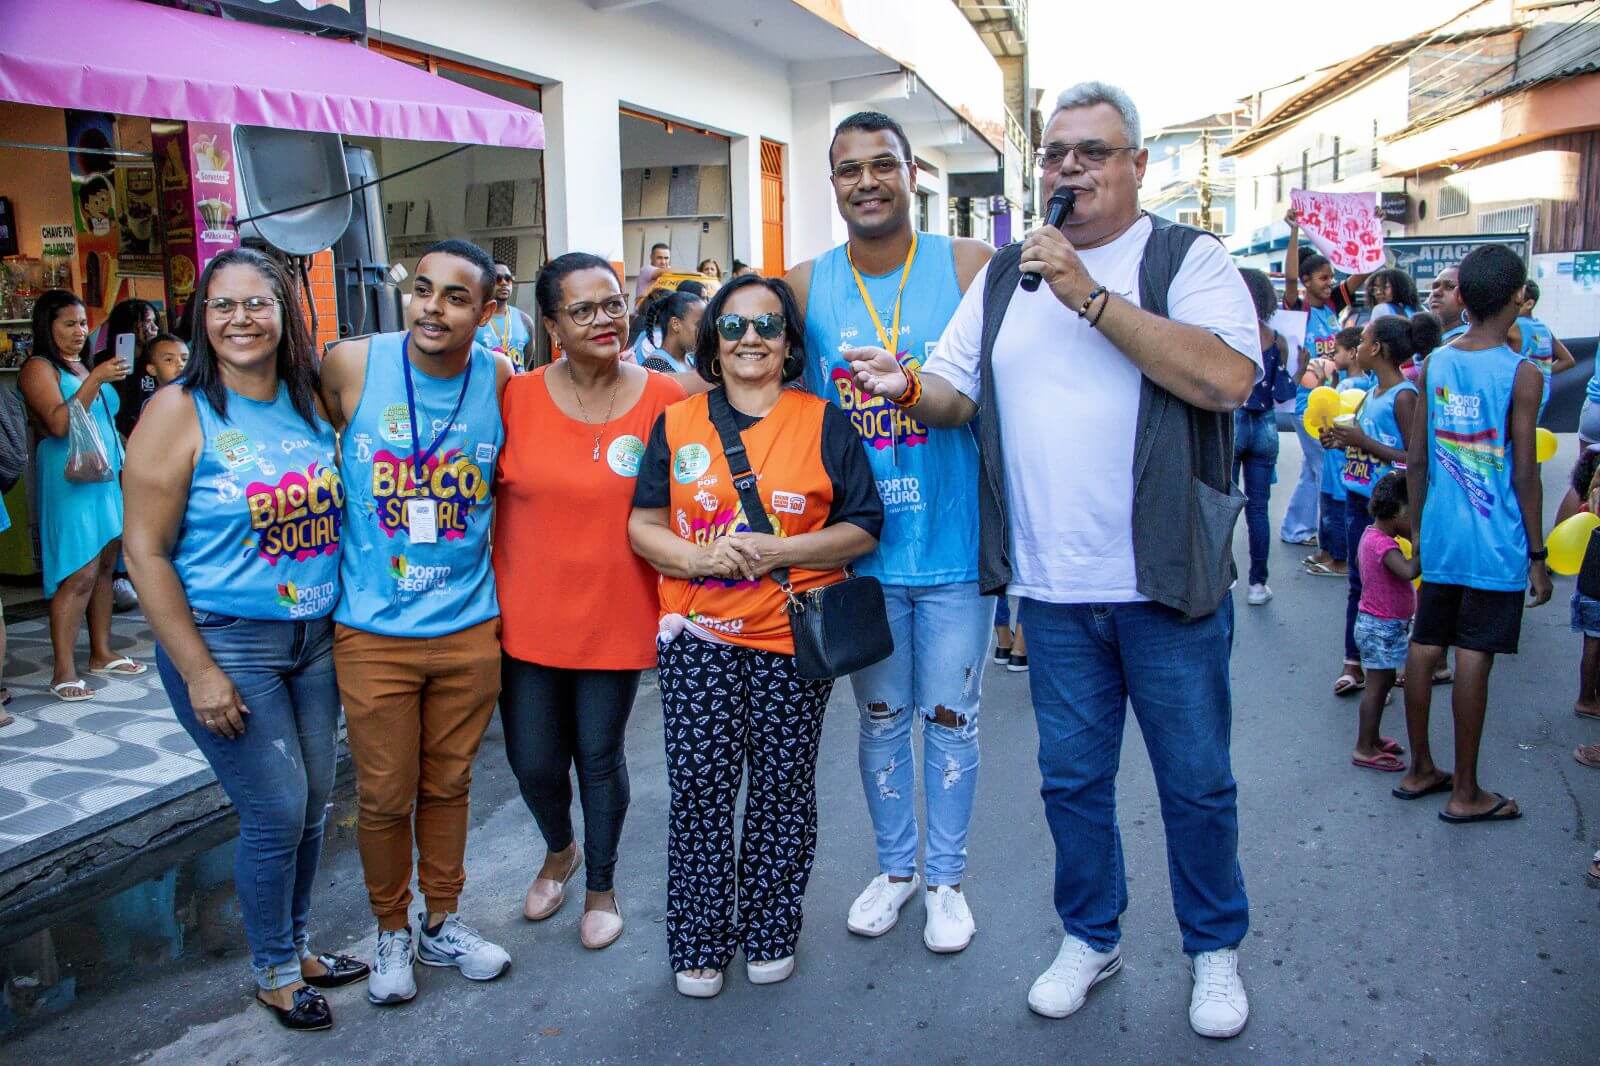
1344,226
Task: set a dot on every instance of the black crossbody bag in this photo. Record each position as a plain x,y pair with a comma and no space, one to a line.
839,628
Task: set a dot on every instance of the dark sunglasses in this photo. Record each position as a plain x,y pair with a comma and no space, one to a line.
768,325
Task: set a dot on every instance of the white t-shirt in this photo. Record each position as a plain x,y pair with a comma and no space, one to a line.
1069,406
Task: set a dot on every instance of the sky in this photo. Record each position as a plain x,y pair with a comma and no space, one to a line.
1182,59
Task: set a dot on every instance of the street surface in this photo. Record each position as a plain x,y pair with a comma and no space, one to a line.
1378,933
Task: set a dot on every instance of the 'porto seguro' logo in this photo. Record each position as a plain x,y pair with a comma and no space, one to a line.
410,578
879,422
302,601
452,479
299,516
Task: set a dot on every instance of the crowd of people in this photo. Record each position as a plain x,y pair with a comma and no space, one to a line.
421,526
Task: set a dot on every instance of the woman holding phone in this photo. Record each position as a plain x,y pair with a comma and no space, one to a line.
80,522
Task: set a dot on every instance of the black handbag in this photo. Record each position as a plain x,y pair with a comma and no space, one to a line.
839,628
1589,572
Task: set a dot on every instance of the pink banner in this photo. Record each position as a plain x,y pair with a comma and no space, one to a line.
1344,226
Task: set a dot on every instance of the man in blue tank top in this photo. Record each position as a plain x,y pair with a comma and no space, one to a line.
1476,497
1444,300
417,645
892,286
509,330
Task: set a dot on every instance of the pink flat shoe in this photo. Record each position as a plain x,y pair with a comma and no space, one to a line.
600,929
546,895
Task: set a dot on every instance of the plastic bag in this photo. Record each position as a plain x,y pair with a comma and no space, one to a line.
88,462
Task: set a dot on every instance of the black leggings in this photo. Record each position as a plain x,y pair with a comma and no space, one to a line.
555,719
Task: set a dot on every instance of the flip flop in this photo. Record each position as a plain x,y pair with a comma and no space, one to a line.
1323,570
1444,785
1445,677
110,669
1390,745
1592,874
88,693
1491,815
1347,684
1589,755
1575,711
1384,760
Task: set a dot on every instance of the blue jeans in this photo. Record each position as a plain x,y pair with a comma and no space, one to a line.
1356,520
1300,519
1089,661
278,774
941,642
1002,612
1331,529
1255,453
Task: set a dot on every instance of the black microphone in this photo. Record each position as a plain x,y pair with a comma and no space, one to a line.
1055,213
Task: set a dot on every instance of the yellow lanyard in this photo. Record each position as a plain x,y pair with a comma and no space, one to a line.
501,338
890,346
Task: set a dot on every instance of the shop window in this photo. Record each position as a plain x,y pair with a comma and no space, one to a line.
676,192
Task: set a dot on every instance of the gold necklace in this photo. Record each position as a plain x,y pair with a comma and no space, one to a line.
610,406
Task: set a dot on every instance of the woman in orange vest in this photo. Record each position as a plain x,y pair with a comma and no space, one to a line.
730,693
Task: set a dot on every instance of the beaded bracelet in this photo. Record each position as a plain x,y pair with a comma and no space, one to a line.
1099,291
1105,298
913,394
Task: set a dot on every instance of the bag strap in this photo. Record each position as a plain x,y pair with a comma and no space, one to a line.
744,479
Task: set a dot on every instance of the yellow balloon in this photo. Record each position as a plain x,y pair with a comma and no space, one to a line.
1544,444
1350,400
1321,407
1405,549
1568,541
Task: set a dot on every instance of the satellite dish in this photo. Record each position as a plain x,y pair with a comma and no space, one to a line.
284,169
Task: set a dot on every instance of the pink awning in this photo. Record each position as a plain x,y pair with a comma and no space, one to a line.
135,58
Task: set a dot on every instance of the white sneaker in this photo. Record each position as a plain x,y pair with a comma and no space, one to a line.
769,973
698,987
878,907
950,925
1218,1007
460,946
1062,988
392,979
1259,594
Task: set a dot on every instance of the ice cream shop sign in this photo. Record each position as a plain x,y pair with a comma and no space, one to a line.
195,173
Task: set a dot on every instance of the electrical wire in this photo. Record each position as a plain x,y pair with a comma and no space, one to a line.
379,180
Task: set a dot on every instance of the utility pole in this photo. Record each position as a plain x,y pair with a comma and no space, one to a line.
1205,179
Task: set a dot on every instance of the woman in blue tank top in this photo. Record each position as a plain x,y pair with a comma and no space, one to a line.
233,529
1375,442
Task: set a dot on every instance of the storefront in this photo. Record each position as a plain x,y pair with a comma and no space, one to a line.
674,192
122,181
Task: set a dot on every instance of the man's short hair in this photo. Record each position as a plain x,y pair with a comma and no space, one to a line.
870,122
471,253
1490,276
1530,291
1089,93
660,246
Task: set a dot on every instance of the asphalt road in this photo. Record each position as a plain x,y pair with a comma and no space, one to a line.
1378,933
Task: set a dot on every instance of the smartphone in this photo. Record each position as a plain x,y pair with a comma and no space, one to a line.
125,346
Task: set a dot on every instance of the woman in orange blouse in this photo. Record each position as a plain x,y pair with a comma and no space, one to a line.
730,693
577,607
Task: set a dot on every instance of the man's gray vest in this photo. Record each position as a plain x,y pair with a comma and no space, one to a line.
1185,505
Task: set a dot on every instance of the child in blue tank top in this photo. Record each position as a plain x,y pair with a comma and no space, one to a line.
1475,491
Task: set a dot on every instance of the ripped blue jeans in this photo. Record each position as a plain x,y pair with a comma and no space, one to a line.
941,641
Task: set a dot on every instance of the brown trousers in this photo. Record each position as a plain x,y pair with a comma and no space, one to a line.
416,710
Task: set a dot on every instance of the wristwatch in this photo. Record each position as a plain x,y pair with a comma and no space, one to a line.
1539,556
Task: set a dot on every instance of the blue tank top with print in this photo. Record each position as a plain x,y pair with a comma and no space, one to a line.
928,478
1472,530
507,334
1375,416
394,586
260,536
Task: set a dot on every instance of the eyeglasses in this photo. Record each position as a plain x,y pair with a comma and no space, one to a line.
768,325
583,314
882,169
1092,154
254,306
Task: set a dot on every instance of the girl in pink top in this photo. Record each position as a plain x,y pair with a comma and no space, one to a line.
1383,626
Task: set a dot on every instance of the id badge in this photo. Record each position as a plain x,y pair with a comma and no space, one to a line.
422,520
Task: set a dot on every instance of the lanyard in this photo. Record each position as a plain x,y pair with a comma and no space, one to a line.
500,338
892,346
419,458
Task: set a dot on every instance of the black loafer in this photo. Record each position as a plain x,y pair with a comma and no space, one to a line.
309,1014
342,970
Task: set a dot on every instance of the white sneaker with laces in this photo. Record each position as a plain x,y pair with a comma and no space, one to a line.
1218,1007
877,909
1062,989
460,946
392,979
1259,594
950,925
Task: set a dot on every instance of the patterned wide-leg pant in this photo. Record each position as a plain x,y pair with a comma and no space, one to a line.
726,706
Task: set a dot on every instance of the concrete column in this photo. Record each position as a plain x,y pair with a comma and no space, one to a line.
583,169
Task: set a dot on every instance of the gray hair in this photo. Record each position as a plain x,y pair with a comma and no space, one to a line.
1089,93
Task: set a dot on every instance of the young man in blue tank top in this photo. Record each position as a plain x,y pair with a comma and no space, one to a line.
417,640
509,331
1478,505
894,287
